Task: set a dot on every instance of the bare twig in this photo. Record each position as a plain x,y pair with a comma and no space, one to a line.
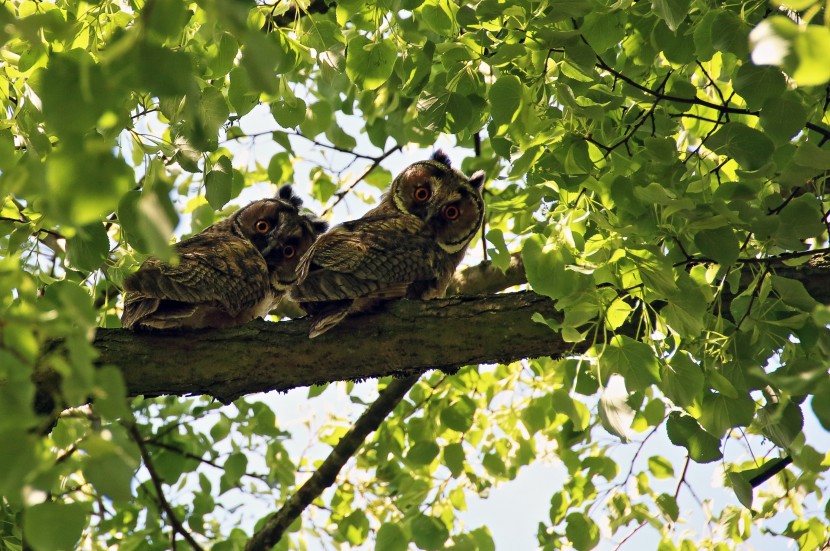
157,483
376,163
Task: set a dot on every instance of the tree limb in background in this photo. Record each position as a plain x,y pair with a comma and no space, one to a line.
326,474
162,501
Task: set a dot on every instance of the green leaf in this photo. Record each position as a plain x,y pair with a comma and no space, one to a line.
454,458
459,415
782,424
633,360
260,54
111,472
85,187
581,531
212,114
166,18
546,267
355,527
793,293
88,249
719,244
234,467
749,147
576,411
146,223
812,46
673,12
110,393
218,183
800,219
429,533
483,539
742,488
51,525
369,64
720,413
221,429
730,34
668,506
16,461
280,169
682,380
684,431
500,256
390,537
318,117
783,117
660,467
422,453
289,112
506,95
758,84
165,72
444,111
604,30
74,92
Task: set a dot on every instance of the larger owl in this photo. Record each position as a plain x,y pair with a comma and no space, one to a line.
230,273
406,247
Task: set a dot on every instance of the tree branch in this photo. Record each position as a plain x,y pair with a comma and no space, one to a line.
154,477
327,473
722,108
406,337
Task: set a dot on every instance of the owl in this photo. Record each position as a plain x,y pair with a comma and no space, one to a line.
230,273
406,247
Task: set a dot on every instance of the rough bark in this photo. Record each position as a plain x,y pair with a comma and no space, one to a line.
405,338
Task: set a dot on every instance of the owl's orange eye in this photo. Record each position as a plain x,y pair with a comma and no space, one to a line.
262,226
421,194
451,212
288,251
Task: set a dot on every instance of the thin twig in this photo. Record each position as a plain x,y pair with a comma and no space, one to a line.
376,163
157,483
187,454
726,109
682,477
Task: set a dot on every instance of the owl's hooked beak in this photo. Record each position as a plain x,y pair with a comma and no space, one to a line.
274,241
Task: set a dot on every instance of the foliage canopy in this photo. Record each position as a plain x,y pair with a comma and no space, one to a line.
653,163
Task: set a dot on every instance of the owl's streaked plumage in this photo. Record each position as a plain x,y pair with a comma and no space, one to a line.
230,273
406,247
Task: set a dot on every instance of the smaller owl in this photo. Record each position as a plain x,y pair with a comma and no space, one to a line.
406,247
230,273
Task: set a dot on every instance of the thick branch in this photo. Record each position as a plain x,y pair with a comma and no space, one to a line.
326,474
407,337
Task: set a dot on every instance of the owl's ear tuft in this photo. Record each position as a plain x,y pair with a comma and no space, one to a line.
286,193
477,179
441,157
319,225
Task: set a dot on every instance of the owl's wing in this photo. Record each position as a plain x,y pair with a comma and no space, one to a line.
226,271
351,262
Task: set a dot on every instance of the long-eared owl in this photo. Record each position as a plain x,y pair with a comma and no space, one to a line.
230,273
406,247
